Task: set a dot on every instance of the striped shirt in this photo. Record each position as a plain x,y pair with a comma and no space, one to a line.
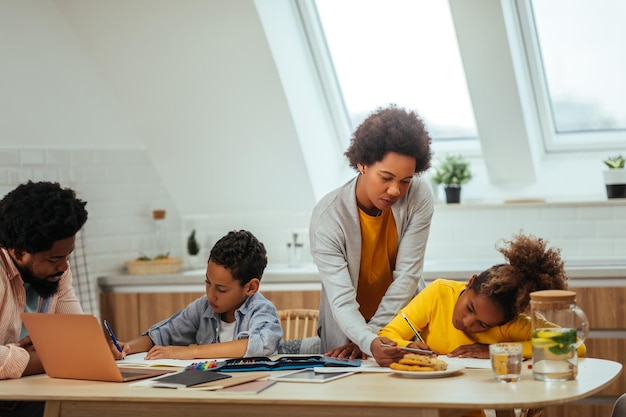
13,359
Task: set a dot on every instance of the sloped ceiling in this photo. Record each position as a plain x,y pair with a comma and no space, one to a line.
197,80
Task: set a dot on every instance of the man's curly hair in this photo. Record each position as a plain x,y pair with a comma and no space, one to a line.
390,129
242,254
531,267
35,215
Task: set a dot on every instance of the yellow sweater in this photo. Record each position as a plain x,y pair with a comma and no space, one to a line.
431,312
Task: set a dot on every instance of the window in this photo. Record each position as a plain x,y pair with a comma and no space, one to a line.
578,64
339,60
402,52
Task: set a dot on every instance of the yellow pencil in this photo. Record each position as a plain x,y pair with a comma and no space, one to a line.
417,335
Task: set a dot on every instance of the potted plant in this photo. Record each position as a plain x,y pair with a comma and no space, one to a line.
193,249
453,171
192,244
615,177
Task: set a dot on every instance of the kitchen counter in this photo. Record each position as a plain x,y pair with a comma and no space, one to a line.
280,277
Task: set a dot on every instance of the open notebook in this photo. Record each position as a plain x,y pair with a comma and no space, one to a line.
74,346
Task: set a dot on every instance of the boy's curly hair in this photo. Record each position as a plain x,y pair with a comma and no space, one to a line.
35,215
531,267
390,129
242,254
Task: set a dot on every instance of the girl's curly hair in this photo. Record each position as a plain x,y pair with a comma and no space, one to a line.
531,267
390,129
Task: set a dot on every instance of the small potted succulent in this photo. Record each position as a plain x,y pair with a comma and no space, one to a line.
453,171
615,177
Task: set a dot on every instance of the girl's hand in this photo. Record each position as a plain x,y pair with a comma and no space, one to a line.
477,350
419,345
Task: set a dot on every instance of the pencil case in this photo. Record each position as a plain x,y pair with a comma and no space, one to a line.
264,363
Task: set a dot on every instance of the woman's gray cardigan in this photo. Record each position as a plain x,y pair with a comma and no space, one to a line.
335,237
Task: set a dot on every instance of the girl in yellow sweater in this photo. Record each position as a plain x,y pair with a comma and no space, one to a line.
463,319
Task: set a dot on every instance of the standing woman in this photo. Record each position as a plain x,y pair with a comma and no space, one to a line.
368,237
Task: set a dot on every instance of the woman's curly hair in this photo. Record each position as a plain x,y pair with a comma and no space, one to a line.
242,254
390,129
531,267
36,214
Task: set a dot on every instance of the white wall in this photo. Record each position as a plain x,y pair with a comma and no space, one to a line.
51,93
198,81
591,231
150,104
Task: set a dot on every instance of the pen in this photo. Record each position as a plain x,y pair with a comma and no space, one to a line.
117,345
413,350
417,335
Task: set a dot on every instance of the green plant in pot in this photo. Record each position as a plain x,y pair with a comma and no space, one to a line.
193,248
615,177
453,171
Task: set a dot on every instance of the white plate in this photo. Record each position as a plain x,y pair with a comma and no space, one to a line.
452,368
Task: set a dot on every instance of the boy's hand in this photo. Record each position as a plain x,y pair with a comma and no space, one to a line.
116,353
169,352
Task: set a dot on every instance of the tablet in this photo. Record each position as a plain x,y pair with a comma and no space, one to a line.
310,375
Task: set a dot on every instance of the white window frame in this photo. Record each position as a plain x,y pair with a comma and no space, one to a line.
554,141
332,91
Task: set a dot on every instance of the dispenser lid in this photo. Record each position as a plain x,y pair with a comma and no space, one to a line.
553,295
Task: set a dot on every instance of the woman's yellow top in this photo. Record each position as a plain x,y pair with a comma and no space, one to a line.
379,247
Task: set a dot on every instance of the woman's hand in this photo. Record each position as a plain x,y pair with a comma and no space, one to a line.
386,355
349,350
477,350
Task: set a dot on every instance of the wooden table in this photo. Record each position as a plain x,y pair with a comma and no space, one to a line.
362,395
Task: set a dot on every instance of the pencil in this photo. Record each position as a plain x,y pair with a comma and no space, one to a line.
417,335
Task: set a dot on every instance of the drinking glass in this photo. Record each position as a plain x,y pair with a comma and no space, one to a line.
506,361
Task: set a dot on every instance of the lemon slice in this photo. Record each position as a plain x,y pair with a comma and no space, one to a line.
548,334
540,342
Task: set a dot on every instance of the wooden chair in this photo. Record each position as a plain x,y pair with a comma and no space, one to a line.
525,412
298,323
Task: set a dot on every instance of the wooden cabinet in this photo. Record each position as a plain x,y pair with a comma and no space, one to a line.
606,311
130,314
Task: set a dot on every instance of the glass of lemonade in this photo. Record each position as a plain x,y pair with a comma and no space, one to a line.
555,323
506,361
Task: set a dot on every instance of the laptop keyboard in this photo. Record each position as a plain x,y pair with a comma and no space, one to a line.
131,374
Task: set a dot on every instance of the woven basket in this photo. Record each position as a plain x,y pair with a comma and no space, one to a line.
158,266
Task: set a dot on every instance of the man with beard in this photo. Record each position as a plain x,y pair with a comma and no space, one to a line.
38,224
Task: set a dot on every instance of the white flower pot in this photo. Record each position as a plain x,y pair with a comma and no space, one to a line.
615,181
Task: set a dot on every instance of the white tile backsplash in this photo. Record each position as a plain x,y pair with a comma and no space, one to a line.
122,188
